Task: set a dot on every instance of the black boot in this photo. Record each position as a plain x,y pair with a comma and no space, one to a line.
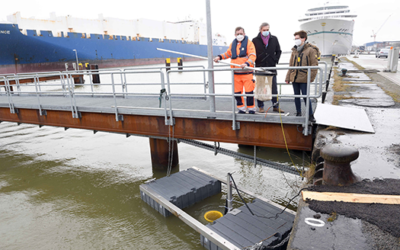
311,118
298,114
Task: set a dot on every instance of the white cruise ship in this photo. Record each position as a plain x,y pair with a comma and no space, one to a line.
330,27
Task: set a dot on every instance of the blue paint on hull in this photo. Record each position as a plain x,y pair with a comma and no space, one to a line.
19,51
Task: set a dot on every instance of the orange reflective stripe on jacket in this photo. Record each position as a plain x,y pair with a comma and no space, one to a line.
227,54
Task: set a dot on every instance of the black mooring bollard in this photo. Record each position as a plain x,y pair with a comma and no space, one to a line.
344,71
168,64
96,77
337,169
78,79
180,63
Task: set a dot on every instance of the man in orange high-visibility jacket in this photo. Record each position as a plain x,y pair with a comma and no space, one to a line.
242,52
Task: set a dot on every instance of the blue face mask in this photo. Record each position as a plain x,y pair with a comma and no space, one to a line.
265,33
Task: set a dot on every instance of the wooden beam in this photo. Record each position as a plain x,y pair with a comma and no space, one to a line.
351,197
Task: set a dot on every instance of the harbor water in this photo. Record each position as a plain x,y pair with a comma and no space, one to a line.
77,190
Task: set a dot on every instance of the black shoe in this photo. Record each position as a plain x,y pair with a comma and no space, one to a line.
252,112
298,114
311,118
241,112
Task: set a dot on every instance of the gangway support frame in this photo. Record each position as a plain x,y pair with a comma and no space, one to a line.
251,133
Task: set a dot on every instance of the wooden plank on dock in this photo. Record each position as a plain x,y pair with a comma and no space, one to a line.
351,197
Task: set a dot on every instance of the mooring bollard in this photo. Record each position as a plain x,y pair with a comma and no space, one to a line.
78,79
180,63
344,71
168,64
96,77
337,170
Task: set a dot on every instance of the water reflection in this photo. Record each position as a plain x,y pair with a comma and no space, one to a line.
76,190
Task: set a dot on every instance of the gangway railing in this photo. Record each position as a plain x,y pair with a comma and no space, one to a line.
118,79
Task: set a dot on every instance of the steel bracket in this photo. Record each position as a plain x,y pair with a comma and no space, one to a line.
65,128
169,122
77,115
127,135
119,118
13,110
43,112
40,126
95,131
235,211
237,126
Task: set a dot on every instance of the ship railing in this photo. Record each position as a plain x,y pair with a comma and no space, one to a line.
68,88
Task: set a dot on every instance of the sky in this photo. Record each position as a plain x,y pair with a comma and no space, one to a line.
282,15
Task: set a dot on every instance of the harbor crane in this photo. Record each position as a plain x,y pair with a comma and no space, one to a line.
375,33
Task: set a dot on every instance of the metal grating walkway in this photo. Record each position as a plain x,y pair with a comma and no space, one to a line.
244,229
183,189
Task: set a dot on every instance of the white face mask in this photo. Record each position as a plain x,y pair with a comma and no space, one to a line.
297,42
240,37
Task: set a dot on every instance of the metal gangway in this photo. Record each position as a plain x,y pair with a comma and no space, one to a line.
121,95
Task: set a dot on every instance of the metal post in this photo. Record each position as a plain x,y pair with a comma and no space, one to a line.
76,56
16,78
233,101
307,102
91,82
229,193
115,98
36,81
210,54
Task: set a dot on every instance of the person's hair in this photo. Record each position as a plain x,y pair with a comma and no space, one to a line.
301,34
263,25
238,28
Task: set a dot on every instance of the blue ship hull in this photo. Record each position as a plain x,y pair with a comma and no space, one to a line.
21,53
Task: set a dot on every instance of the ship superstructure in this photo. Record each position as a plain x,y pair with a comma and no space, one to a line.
330,27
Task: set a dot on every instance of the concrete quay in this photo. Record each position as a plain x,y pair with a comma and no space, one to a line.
356,225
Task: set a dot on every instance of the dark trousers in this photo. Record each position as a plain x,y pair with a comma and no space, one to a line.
260,104
297,87
249,100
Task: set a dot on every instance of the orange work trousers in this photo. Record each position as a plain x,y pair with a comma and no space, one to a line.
247,82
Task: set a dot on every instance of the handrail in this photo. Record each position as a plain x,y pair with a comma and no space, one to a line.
69,89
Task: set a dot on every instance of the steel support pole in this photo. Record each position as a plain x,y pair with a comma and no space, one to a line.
160,151
76,57
211,88
229,193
